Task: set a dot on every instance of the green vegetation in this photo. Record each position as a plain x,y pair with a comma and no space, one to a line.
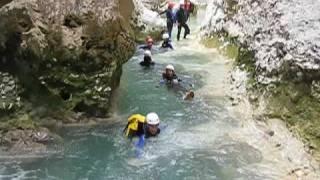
231,49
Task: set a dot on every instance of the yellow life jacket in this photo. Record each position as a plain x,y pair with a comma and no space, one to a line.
133,123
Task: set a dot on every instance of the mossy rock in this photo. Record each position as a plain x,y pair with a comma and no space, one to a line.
24,123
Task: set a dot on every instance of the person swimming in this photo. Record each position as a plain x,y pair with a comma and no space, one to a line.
142,127
170,78
166,41
147,59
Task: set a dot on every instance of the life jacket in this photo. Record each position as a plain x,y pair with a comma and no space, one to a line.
135,125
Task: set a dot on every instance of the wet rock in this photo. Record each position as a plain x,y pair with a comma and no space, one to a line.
25,141
61,52
267,28
10,99
270,132
146,20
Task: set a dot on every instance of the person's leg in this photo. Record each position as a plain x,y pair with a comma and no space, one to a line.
179,31
170,27
187,15
186,30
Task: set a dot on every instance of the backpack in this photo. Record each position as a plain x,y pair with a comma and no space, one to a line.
134,125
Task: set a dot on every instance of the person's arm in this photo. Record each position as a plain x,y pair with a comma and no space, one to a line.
139,146
143,47
163,12
170,46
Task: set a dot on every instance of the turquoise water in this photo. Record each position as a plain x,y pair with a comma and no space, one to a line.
195,144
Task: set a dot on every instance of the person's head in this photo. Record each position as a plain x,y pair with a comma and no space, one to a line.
150,42
169,70
147,53
165,37
147,38
170,5
153,122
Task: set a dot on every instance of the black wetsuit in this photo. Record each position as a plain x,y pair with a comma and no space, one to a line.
182,20
170,20
169,79
167,44
145,47
147,61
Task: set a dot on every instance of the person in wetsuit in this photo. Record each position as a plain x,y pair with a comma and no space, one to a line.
142,127
169,76
166,41
148,45
182,21
170,17
147,59
188,8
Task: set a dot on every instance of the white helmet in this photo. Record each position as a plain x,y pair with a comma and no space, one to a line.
170,67
147,53
165,36
153,119
181,2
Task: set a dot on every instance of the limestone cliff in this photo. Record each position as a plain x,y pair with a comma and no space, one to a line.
60,59
279,51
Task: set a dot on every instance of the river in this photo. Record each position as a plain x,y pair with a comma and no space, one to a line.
196,144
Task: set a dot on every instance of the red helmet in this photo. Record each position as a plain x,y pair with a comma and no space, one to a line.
171,5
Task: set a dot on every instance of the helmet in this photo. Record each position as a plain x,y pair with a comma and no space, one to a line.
170,5
147,53
170,67
181,2
165,36
153,119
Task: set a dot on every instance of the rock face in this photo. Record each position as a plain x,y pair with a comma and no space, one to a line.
59,56
146,19
62,59
285,47
279,50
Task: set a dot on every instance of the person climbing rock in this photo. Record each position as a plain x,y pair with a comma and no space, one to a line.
169,76
166,41
142,127
182,21
147,59
170,14
148,45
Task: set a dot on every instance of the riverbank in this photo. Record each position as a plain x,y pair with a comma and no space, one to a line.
277,57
